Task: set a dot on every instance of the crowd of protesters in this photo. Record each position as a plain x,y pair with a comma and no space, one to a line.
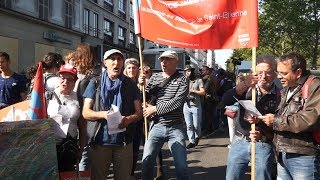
82,93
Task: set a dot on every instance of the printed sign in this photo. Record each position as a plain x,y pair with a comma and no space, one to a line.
28,150
198,24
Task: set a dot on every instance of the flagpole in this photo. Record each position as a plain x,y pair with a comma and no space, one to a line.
143,88
253,126
13,113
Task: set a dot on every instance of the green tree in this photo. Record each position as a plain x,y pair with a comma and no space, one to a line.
288,25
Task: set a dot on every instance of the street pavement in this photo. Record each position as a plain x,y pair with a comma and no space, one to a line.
207,161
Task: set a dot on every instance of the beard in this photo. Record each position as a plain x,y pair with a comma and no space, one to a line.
265,85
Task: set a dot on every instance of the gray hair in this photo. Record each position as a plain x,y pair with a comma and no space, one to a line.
269,59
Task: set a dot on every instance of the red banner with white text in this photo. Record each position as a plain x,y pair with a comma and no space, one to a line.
199,24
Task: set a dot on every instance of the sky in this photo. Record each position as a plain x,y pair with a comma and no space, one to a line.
222,56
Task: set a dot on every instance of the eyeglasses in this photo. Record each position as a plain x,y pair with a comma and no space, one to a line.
282,74
267,73
67,79
146,69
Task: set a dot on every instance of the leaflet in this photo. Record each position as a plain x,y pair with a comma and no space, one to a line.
249,107
114,119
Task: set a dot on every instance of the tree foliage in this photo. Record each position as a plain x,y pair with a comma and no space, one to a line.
288,25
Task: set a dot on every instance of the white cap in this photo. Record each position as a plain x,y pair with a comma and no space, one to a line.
169,54
110,52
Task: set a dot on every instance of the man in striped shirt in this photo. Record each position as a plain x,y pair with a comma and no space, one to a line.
166,112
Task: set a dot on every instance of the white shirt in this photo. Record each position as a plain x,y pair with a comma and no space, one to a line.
65,115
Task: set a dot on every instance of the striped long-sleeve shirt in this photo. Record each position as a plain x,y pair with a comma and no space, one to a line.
170,98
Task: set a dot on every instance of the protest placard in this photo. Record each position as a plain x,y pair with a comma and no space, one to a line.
28,150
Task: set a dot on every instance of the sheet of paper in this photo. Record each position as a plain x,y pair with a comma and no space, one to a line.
249,106
114,119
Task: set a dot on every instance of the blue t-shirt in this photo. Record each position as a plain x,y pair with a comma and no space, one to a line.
10,89
129,93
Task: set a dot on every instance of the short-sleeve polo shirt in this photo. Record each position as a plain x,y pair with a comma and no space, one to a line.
10,89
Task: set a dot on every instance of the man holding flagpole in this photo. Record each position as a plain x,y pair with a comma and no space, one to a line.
168,91
268,98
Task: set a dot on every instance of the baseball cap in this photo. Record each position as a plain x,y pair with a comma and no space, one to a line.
131,61
68,68
110,52
169,54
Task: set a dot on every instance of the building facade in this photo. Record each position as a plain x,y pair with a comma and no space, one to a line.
197,58
31,28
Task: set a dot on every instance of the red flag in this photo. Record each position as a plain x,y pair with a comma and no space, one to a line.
37,107
199,24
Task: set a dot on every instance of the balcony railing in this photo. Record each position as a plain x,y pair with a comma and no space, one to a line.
107,39
86,29
122,14
122,43
108,6
131,21
96,32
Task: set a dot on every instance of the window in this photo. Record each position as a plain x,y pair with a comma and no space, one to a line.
43,9
107,27
132,38
108,4
86,16
95,24
121,36
69,8
120,33
122,9
122,6
131,10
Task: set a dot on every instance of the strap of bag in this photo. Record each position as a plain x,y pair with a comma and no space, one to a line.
305,93
56,96
305,88
49,95
166,81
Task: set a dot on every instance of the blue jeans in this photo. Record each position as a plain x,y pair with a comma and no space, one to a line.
297,166
158,135
240,155
192,116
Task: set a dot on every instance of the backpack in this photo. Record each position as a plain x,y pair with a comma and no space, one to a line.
82,87
48,76
305,94
94,126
